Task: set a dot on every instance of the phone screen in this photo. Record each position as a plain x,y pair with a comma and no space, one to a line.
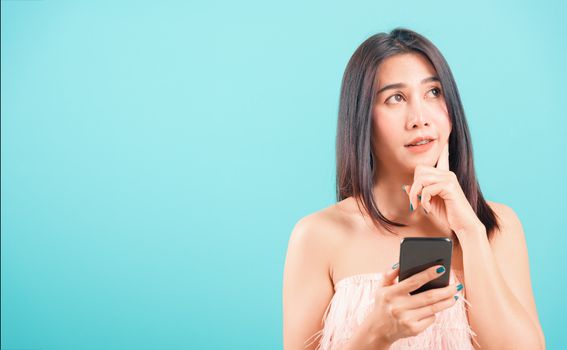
420,253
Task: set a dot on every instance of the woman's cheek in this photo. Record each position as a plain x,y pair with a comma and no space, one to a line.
442,118
445,113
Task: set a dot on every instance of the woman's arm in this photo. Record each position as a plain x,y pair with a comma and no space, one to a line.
498,286
497,276
307,288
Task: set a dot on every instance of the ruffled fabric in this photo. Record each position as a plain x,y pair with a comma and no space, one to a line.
354,299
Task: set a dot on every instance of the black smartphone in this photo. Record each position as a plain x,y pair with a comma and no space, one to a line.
420,253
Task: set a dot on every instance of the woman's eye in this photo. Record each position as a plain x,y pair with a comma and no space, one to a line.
395,98
436,91
399,98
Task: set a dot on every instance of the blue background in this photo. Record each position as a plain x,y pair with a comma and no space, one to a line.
156,155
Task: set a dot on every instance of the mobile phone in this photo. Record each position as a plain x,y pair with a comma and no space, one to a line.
420,253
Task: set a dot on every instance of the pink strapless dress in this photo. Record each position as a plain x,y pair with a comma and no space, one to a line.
354,299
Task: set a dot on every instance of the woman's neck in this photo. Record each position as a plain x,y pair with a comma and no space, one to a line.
393,201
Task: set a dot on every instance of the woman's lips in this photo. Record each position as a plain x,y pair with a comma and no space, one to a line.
421,148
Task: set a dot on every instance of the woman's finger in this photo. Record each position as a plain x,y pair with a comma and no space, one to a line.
430,297
428,192
390,275
432,309
419,279
422,179
413,193
443,161
422,324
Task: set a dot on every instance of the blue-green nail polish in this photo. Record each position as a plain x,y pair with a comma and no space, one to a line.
440,269
456,297
395,266
459,287
419,197
410,207
403,188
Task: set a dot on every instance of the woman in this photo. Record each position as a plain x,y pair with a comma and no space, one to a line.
405,168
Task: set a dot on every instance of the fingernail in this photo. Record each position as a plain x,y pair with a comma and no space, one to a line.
419,197
404,188
425,210
440,269
459,287
410,207
395,266
456,297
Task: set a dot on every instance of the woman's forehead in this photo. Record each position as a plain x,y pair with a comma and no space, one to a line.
407,68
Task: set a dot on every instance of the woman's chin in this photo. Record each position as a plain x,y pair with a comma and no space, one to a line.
410,166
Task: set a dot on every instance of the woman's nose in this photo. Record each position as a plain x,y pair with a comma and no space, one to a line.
416,116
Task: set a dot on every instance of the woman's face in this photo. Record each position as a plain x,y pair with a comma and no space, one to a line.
409,105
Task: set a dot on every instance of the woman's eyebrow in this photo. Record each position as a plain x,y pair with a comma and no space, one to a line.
401,85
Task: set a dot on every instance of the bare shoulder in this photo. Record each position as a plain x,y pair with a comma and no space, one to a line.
323,229
307,283
503,211
508,220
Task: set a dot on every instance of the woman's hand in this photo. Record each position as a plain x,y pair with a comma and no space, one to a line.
398,314
438,191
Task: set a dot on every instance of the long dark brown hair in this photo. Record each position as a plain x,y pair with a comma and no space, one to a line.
354,154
